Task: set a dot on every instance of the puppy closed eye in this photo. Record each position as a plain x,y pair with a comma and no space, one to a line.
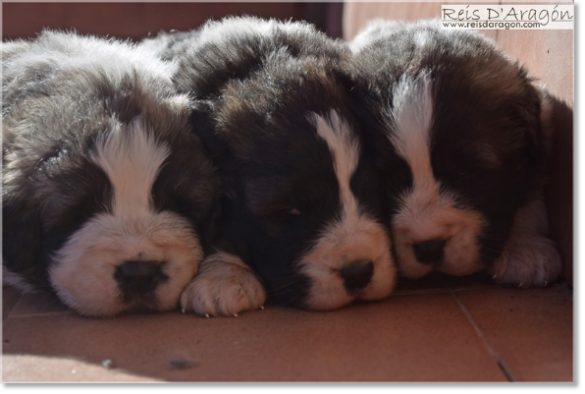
275,210
284,215
277,221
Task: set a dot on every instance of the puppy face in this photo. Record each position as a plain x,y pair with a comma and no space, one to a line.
132,252
301,206
456,128
104,185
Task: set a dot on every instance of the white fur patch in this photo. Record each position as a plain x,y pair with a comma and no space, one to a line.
427,213
353,236
225,286
412,116
83,273
131,159
232,28
64,51
345,151
422,39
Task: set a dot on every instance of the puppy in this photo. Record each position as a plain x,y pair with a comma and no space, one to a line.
104,185
300,217
459,134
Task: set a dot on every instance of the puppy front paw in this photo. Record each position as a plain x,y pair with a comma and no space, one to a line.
528,261
224,286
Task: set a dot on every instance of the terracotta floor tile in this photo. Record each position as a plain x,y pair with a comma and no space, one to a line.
10,297
530,330
38,304
18,369
405,338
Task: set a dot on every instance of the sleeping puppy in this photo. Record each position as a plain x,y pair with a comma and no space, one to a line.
104,185
299,216
459,134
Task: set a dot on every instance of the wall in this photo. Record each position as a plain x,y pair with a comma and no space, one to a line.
133,20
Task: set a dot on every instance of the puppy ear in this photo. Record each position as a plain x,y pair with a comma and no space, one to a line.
555,116
21,240
343,74
202,125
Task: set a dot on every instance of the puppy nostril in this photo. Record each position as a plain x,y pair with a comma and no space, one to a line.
357,274
139,277
428,252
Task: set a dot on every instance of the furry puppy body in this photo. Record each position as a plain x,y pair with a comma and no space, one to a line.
459,134
104,185
299,208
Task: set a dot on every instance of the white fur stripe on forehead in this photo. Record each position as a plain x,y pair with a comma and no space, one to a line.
351,236
131,158
412,116
344,148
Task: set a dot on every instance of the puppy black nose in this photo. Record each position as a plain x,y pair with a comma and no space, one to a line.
357,274
428,252
139,277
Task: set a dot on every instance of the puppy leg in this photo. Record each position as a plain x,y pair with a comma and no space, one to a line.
224,286
529,257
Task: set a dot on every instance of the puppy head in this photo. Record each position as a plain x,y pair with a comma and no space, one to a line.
463,138
104,189
301,205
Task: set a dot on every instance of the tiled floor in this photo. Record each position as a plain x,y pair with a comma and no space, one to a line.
438,329
444,329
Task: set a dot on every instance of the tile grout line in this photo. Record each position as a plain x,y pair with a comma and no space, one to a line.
9,311
11,315
485,341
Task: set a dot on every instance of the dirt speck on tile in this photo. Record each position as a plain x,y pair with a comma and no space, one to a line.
178,364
